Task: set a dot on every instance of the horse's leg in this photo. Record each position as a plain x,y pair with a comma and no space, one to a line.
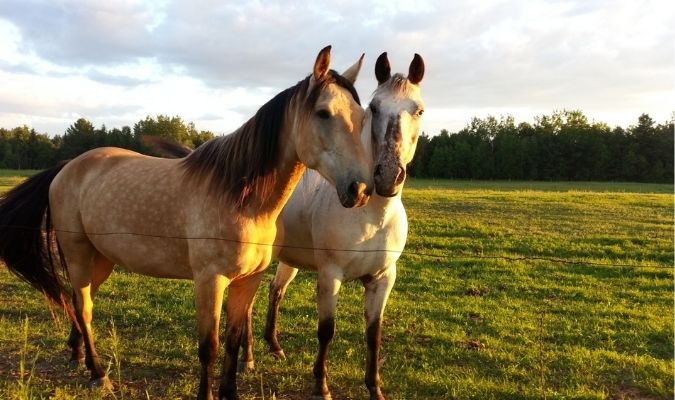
246,362
376,294
239,301
86,265
75,342
101,272
285,274
209,291
330,280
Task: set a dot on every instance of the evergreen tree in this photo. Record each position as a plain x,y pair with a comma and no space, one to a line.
560,146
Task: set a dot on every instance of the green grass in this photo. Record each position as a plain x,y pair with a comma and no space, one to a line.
10,178
556,186
456,327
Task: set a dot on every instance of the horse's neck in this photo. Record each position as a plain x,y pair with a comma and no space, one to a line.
383,204
288,172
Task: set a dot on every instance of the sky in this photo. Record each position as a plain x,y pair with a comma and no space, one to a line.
215,63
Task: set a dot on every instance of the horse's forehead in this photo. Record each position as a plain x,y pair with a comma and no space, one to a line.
393,102
337,98
414,93
398,96
397,105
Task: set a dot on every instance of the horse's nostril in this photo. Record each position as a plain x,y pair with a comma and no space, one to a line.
353,195
356,188
378,170
401,175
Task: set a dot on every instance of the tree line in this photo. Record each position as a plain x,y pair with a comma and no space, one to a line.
24,148
560,146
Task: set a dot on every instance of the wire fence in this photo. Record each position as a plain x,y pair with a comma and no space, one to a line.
440,254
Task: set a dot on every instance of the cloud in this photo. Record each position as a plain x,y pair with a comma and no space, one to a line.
531,57
117,79
75,33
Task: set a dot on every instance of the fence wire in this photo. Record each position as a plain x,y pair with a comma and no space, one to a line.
441,255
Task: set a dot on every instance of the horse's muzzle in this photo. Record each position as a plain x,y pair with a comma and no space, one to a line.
388,182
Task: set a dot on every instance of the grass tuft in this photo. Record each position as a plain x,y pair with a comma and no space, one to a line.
116,358
25,390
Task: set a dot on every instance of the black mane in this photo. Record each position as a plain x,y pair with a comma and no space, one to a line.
243,164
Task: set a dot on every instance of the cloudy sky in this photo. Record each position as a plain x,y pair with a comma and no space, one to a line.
215,62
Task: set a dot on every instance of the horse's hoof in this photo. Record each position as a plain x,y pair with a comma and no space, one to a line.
375,393
279,355
245,366
227,395
103,383
321,397
75,363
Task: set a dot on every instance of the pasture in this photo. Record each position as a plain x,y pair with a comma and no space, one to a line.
469,317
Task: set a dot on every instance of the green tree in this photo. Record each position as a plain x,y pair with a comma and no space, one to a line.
419,165
439,162
171,128
79,138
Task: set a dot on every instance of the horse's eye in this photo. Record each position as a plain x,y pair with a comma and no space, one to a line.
323,114
373,108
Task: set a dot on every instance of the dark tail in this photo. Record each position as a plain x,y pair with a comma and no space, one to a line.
27,251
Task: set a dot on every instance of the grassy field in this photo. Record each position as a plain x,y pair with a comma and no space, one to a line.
459,324
10,178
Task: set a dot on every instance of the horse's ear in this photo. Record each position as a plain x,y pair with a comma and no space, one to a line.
382,68
322,63
352,72
416,71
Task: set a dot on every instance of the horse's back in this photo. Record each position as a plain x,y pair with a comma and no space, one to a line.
103,173
126,205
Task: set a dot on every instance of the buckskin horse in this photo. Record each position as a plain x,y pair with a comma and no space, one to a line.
210,217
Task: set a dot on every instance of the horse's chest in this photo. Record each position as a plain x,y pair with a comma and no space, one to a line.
372,260
254,249
367,250
254,257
